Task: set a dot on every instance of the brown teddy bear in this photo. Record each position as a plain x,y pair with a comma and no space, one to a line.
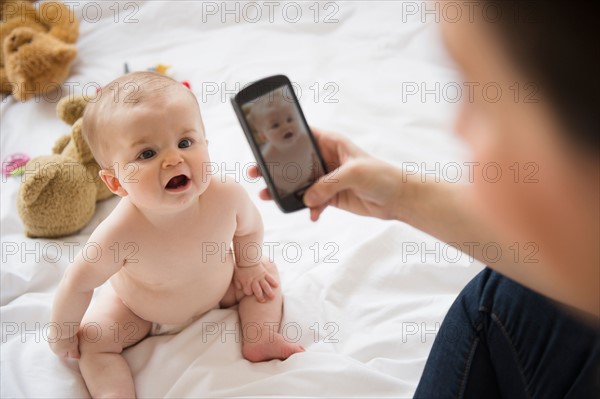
59,192
36,48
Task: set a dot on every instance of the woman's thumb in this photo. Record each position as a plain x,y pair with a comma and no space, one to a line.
329,185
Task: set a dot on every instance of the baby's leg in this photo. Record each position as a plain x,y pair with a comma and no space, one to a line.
261,324
106,329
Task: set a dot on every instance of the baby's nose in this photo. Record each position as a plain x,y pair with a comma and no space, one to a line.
172,158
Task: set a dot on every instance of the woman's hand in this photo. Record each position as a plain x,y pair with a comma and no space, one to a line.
356,182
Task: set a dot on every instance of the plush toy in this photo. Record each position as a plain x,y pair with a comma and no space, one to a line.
36,48
59,192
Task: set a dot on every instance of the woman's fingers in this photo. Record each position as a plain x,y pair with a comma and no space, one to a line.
315,213
316,132
254,172
345,177
265,195
333,147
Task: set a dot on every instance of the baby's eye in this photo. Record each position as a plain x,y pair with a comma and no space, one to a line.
289,119
185,143
146,154
275,126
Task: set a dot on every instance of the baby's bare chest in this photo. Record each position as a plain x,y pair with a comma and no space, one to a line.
182,255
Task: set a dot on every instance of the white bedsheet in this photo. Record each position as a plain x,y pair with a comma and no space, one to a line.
362,295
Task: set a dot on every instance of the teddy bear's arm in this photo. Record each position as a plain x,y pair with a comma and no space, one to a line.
61,143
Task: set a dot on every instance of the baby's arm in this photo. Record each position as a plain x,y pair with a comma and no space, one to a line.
75,292
250,274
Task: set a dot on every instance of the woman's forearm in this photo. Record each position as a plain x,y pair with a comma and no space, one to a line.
447,212
443,210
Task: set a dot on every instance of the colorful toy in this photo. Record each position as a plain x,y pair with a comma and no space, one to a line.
14,164
159,68
37,46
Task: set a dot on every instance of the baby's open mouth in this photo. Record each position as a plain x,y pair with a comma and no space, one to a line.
288,135
178,182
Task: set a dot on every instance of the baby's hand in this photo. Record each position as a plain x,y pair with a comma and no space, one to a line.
255,280
66,347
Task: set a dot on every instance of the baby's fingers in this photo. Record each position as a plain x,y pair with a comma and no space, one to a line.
71,353
247,288
267,289
237,284
258,292
74,354
271,280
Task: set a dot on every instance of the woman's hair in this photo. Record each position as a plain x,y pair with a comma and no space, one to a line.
555,45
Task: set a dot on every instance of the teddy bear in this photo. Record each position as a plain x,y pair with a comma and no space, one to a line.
36,47
58,193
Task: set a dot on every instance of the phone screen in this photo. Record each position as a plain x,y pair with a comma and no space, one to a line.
280,139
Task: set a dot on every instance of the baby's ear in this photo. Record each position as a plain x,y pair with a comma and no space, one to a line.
111,181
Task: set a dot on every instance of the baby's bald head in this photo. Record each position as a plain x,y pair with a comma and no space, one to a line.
127,91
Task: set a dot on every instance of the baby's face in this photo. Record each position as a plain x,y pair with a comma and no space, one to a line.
279,122
159,152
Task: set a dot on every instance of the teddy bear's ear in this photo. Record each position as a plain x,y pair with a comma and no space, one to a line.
64,54
83,150
71,108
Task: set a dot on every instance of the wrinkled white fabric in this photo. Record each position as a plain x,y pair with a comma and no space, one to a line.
363,296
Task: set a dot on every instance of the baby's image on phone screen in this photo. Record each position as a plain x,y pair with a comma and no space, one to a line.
283,141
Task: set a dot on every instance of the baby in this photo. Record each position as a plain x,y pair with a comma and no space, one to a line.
286,147
147,134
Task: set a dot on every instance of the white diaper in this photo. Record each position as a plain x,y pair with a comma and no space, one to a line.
169,329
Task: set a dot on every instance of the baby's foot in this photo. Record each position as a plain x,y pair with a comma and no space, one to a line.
266,349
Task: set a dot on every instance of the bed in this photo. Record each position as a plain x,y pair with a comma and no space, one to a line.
363,296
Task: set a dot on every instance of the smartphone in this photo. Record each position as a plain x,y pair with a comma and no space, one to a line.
283,145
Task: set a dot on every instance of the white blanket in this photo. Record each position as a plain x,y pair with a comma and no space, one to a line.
363,296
